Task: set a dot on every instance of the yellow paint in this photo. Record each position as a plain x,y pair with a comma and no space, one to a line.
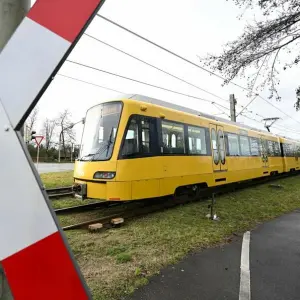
87,169
159,176
119,191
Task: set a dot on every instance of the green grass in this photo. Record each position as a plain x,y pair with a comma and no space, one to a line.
118,261
123,258
68,202
57,179
116,250
61,179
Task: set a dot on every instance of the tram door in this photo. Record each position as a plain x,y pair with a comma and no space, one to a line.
218,148
264,152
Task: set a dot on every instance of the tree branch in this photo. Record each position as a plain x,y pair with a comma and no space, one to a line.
255,47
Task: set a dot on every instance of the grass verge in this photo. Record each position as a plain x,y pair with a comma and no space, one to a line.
57,179
118,261
68,202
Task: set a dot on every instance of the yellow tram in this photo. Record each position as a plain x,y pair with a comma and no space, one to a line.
136,147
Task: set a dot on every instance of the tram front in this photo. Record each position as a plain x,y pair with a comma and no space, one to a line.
95,169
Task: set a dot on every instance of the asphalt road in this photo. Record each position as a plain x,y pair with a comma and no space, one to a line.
214,274
51,167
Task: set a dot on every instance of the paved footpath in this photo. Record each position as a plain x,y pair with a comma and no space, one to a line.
271,255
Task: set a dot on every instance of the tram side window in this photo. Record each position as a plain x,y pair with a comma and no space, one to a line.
263,146
131,142
197,142
165,139
277,151
173,138
297,150
254,146
271,151
294,150
245,147
233,144
288,150
145,129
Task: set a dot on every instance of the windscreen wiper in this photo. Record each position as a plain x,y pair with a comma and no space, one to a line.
105,146
109,140
85,156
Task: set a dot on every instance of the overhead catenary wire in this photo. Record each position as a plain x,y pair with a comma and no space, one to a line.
90,83
155,67
217,105
159,69
283,129
151,85
167,50
245,107
221,110
278,109
138,81
190,62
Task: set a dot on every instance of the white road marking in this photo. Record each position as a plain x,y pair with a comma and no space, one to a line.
245,293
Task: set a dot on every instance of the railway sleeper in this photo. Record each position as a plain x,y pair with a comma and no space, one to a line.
97,227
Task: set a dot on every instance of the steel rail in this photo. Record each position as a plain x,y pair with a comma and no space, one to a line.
86,207
60,192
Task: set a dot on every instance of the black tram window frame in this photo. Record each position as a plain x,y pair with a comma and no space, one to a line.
270,152
154,149
206,137
186,140
240,144
277,154
258,145
160,140
290,153
281,149
227,144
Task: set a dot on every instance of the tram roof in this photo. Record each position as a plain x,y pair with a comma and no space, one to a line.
146,99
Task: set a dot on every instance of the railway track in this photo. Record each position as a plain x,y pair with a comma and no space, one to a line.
86,207
146,208
154,205
60,192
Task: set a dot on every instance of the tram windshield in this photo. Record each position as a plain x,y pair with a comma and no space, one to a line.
101,124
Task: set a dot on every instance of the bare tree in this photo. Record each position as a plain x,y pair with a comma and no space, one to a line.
32,118
49,127
261,46
67,134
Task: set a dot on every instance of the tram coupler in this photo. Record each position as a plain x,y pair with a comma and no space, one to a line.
80,190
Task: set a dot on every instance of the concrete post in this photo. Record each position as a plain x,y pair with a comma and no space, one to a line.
232,108
12,13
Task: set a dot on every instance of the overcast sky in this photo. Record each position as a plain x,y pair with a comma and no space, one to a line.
190,28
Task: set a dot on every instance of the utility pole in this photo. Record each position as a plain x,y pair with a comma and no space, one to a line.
232,108
12,13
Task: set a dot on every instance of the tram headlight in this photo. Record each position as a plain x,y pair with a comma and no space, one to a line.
104,175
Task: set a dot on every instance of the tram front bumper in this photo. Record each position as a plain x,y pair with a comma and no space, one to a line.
103,190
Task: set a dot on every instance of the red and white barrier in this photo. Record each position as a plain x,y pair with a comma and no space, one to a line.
33,251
